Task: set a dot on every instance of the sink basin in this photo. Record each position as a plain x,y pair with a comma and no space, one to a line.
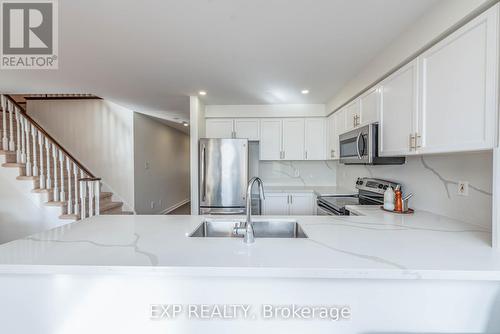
262,229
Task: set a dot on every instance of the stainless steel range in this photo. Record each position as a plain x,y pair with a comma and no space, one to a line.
370,192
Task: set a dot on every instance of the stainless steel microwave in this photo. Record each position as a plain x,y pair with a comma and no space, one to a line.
360,147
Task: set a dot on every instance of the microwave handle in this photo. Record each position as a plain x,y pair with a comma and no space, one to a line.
357,145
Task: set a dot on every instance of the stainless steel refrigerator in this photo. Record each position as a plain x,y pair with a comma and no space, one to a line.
223,176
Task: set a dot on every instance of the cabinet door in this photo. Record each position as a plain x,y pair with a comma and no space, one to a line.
339,120
275,204
315,138
270,139
459,89
352,112
398,111
247,128
219,128
293,139
370,106
301,204
332,136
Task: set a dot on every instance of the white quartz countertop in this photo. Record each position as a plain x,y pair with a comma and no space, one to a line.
318,190
375,246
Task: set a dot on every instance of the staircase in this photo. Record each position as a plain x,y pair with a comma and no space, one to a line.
47,169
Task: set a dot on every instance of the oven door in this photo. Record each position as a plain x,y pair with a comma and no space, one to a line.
325,210
356,146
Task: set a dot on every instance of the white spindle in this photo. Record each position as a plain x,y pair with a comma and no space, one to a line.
83,197
34,135
5,140
77,206
48,182
42,169
91,198
23,139
56,181
27,127
18,136
62,197
70,186
97,197
12,144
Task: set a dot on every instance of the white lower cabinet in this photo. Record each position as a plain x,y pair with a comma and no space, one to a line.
284,204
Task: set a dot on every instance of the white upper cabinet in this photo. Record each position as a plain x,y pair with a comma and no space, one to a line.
398,111
370,105
271,134
243,128
293,139
247,128
219,128
352,115
315,139
332,136
459,88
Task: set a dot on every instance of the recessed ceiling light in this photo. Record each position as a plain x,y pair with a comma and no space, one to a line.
185,123
305,91
202,93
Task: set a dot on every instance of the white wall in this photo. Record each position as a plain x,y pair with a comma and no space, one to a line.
99,134
434,181
161,157
197,131
429,27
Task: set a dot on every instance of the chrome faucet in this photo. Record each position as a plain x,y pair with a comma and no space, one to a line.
249,237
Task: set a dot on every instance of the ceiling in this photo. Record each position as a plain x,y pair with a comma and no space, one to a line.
150,55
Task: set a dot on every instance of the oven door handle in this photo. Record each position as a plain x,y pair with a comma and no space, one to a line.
357,145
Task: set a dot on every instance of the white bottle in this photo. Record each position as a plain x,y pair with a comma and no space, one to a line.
389,199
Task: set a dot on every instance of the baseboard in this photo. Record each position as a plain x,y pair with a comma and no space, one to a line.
175,206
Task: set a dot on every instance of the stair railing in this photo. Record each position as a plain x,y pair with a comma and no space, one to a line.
64,177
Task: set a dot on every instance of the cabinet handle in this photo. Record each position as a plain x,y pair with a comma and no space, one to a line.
417,137
412,142
354,120
291,199
306,155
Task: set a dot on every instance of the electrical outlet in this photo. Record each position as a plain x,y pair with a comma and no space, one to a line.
463,188
152,204
296,173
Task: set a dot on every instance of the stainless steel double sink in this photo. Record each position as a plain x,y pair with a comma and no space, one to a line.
275,228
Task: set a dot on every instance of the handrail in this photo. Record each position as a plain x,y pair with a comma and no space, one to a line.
49,137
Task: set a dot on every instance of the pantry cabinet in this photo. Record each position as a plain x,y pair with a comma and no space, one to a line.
398,111
459,88
315,139
283,204
242,128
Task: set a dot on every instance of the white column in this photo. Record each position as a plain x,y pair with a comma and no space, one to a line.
23,139
48,181
27,127
62,197
42,169
55,152
97,190
5,141
77,205
70,186
34,135
83,197
12,144
91,198
18,136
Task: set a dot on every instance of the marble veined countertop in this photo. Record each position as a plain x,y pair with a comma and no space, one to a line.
318,190
377,245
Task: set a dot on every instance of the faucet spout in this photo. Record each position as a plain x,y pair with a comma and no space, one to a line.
249,233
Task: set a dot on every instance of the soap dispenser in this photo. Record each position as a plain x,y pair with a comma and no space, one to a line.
389,199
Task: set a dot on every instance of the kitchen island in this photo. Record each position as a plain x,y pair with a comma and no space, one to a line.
386,268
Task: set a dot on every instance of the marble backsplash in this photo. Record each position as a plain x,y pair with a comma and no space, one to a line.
434,181
298,173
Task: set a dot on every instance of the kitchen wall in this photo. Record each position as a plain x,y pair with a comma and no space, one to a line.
98,133
161,166
434,181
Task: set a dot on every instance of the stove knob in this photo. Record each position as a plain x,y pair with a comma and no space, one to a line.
380,186
386,186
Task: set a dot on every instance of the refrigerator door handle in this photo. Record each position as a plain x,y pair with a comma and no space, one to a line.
203,174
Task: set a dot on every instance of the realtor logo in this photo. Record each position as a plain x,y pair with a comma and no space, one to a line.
29,34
